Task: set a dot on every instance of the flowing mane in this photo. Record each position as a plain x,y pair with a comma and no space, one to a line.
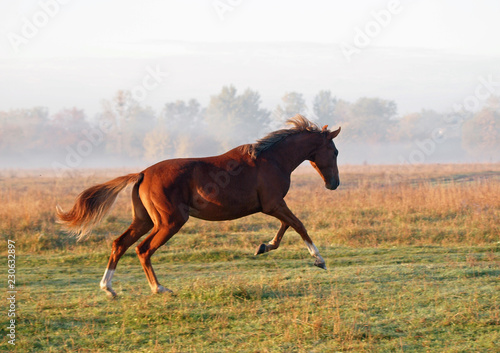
300,124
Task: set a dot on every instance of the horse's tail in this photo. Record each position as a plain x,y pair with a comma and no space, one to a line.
93,204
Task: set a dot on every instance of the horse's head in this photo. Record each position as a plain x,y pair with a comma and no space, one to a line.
324,159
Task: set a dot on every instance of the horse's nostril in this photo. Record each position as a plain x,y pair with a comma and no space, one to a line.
333,184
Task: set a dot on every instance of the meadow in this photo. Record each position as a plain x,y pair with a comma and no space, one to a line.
413,257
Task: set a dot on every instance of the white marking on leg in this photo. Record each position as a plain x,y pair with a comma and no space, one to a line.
106,279
313,250
161,289
106,282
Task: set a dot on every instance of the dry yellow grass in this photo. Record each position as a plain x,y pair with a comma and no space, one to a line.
422,205
375,205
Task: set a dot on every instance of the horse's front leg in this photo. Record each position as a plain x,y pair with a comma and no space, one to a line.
275,243
283,213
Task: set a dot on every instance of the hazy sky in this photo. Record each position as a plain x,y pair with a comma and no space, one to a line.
84,28
65,53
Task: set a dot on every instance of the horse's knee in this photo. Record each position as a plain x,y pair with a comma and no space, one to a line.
141,252
118,248
116,245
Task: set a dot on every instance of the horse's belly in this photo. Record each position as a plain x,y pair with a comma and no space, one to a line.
218,194
216,212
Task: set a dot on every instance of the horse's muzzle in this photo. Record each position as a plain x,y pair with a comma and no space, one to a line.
333,184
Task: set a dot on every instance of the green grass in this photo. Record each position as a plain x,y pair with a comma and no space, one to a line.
395,299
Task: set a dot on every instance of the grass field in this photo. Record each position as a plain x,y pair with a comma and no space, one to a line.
413,257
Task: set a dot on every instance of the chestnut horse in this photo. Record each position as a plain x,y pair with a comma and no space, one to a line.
247,179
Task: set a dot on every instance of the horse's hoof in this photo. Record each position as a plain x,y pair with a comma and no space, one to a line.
110,292
261,249
320,264
161,289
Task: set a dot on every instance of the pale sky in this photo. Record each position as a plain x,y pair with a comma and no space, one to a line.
114,27
426,54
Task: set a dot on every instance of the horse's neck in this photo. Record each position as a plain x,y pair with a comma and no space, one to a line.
290,153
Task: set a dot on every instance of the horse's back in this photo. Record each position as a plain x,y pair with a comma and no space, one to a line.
233,162
213,188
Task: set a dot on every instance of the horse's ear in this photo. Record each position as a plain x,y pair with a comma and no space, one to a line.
334,134
325,128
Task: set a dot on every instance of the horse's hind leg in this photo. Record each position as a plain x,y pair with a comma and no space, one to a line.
141,225
275,243
136,230
161,233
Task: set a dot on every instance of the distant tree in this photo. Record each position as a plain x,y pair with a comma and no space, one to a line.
158,145
68,127
481,134
181,116
176,122
417,126
324,108
24,130
369,120
343,111
292,103
142,121
405,128
11,131
129,122
376,107
234,118
34,127
73,119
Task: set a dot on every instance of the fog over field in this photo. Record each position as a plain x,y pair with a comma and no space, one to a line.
408,83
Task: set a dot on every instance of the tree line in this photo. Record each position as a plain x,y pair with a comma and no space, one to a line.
125,130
